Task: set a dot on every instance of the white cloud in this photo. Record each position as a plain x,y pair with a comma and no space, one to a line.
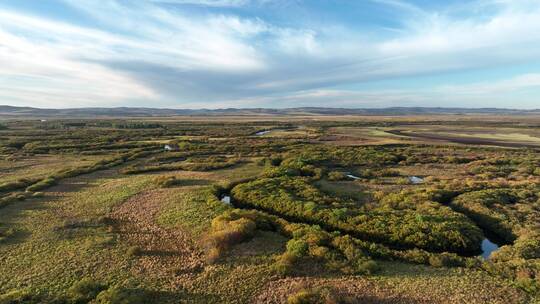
215,3
143,51
501,93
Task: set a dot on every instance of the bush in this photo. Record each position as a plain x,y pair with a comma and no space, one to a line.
297,248
284,264
336,176
365,267
527,246
18,184
531,286
134,251
320,295
445,260
19,297
167,181
45,183
121,295
403,220
84,291
227,232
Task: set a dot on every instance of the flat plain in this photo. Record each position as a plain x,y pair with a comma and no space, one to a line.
270,209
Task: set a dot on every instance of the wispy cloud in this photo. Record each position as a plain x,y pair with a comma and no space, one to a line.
154,54
502,93
216,3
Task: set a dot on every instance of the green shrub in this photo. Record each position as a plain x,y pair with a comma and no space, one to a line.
445,260
122,295
528,246
405,222
319,295
336,176
284,264
531,286
167,181
84,291
298,248
45,183
365,266
226,232
20,297
18,184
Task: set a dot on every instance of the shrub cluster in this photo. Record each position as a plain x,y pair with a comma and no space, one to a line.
186,166
503,212
425,225
227,230
18,196
33,185
318,295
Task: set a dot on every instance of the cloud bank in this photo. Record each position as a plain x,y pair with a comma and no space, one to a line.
221,53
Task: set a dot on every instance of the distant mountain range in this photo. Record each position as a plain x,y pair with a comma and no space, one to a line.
10,111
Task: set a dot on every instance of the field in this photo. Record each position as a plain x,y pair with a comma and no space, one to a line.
270,209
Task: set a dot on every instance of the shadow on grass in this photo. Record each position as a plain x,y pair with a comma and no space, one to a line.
379,300
18,236
194,182
159,253
78,183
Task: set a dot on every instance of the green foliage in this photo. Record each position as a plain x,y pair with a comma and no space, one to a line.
20,297
227,230
445,260
440,229
167,181
297,248
528,248
336,176
503,212
284,264
18,184
18,196
84,291
43,184
392,221
136,125
318,295
122,295
209,165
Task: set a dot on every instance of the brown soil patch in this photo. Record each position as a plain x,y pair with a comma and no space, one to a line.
165,253
365,290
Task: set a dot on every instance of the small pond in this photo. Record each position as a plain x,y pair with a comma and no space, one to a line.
260,133
352,176
416,180
488,247
226,199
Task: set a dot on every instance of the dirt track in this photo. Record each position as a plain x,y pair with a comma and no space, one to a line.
463,140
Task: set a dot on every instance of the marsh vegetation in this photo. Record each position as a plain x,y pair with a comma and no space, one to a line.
268,211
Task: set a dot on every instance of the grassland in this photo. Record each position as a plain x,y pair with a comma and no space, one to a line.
107,230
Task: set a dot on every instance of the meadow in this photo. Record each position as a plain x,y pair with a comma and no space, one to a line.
264,209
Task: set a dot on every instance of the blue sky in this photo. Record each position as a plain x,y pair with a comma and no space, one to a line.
270,53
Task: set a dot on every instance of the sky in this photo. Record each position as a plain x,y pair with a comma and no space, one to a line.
270,53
